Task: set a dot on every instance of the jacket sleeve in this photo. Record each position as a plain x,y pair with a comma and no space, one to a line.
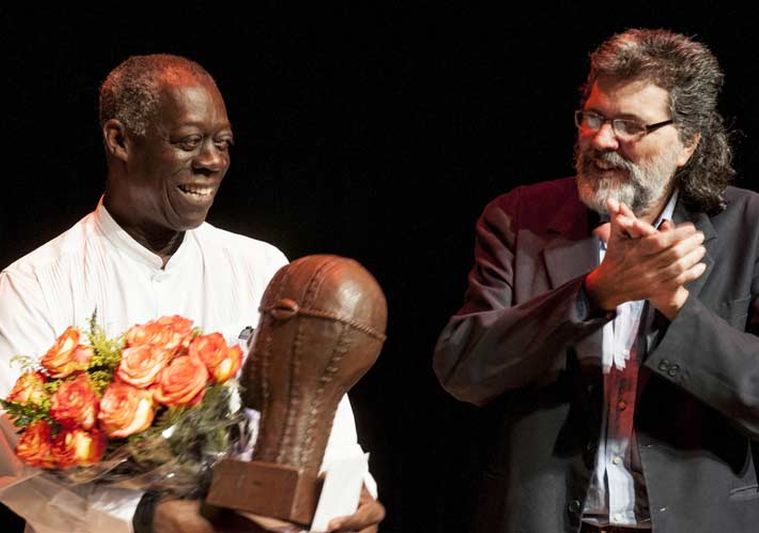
45,503
709,357
493,345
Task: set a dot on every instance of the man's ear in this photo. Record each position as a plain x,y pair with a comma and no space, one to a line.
115,138
688,149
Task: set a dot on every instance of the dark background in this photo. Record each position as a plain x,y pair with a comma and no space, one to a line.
377,133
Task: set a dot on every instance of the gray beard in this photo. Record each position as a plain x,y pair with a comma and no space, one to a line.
639,186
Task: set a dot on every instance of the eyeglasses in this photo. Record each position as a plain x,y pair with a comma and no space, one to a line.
624,129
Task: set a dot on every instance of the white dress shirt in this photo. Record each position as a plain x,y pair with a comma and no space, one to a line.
216,278
612,498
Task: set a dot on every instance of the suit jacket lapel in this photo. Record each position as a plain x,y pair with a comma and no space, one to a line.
571,250
704,224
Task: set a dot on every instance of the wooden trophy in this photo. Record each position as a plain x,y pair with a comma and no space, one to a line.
322,326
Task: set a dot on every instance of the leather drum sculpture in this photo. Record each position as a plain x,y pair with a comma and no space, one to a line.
322,326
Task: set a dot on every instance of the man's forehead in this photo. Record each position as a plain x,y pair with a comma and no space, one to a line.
189,96
634,96
179,75
172,81
638,83
189,93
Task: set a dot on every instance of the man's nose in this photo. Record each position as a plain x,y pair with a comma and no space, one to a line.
605,139
211,158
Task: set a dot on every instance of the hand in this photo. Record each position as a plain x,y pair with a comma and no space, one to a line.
668,303
367,517
180,516
642,262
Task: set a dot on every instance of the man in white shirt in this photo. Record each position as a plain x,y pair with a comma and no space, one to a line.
145,252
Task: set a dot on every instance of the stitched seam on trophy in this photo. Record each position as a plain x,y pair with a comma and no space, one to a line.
294,400
338,353
265,394
355,324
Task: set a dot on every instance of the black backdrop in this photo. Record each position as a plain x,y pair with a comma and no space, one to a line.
377,133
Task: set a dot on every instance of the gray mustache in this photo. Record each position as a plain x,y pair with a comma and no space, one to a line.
616,160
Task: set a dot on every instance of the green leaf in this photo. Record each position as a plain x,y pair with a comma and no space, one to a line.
25,363
107,352
24,414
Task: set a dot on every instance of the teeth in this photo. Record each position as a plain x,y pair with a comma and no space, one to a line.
198,190
606,165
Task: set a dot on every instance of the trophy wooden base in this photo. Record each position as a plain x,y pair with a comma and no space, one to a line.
266,489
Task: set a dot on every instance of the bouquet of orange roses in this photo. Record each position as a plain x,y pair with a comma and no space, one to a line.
154,408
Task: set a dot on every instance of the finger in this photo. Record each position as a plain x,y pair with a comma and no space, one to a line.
662,240
622,227
683,264
626,210
641,228
666,225
680,250
629,224
368,514
612,206
692,274
682,279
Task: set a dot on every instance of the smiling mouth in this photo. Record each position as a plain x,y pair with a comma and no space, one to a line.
600,164
197,191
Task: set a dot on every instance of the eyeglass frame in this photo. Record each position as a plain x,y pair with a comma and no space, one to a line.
647,128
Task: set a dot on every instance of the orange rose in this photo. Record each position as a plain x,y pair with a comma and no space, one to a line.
67,355
29,388
78,447
183,382
141,364
221,361
177,323
171,332
34,445
125,410
75,403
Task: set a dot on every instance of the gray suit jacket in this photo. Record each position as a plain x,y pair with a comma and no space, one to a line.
526,344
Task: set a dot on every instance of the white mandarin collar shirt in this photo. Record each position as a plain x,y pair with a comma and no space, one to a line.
216,278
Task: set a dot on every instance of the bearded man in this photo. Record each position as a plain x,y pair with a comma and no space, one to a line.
610,320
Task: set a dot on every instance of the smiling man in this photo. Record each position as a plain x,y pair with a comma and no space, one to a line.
165,169
614,340
145,252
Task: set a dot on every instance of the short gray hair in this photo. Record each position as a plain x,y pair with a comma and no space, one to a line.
132,90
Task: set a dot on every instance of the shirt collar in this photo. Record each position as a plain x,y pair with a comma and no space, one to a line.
669,209
120,239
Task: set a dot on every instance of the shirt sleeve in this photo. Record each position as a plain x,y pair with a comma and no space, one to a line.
343,441
47,504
